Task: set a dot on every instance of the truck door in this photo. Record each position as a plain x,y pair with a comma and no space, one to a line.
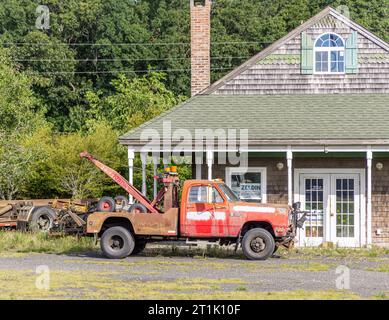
205,212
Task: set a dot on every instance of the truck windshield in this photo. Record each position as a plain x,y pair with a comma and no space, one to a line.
230,195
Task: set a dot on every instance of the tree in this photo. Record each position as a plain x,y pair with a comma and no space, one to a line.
133,102
62,172
105,38
19,118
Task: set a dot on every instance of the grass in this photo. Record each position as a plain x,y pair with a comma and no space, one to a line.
380,268
20,284
12,242
15,242
336,252
194,252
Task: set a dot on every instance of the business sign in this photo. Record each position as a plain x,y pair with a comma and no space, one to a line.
250,191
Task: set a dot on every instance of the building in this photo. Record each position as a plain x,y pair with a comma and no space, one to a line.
312,112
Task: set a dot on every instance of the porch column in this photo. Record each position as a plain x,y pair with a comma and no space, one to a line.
143,156
289,158
131,156
155,166
166,161
209,163
369,158
198,163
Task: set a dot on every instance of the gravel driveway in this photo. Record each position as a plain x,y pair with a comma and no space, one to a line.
90,275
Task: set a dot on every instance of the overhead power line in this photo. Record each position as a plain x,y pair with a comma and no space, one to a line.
117,71
120,59
127,44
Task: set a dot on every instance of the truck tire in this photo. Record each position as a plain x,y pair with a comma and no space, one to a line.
138,207
117,243
139,247
106,204
121,202
258,244
42,219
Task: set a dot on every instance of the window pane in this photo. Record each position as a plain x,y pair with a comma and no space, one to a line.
247,186
329,40
198,194
334,67
314,204
319,42
321,61
345,208
216,197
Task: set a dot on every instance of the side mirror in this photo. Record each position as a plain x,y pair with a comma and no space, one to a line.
296,206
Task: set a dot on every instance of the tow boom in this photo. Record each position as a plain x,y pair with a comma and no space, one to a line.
121,181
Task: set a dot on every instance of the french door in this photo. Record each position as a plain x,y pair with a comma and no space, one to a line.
334,203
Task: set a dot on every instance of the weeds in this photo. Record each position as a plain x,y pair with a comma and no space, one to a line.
108,285
22,242
336,252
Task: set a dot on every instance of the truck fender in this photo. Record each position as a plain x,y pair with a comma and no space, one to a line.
264,224
112,221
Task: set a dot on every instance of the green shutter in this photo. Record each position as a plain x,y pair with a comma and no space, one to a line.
306,54
352,53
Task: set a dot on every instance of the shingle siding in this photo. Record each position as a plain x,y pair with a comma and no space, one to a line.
380,201
283,75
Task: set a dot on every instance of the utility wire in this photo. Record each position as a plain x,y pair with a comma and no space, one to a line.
119,59
115,71
127,44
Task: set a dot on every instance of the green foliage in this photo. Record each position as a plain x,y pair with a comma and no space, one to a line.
113,34
132,103
19,118
62,172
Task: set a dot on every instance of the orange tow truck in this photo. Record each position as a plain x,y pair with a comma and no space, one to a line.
208,210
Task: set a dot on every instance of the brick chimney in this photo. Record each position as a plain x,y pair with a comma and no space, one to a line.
200,35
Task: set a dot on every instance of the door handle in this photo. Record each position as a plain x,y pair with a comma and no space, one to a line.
220,206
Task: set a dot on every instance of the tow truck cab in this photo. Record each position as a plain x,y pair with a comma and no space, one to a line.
210,209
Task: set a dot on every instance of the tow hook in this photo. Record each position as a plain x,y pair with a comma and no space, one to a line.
300,222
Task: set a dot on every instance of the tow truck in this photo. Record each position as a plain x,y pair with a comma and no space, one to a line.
208,211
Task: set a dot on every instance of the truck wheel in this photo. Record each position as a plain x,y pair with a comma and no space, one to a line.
106,204
139,247
138,208
258,244
42,219
121,202
117,243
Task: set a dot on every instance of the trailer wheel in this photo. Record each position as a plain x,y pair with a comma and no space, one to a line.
138,208
106,204
42,219
121,202
258,244
139,247
117,243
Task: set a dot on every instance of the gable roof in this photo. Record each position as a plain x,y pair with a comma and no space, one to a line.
276,119
262,54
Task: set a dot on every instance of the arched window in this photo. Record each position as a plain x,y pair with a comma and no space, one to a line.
329,54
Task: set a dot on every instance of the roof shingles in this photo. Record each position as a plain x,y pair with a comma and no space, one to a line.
280,117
